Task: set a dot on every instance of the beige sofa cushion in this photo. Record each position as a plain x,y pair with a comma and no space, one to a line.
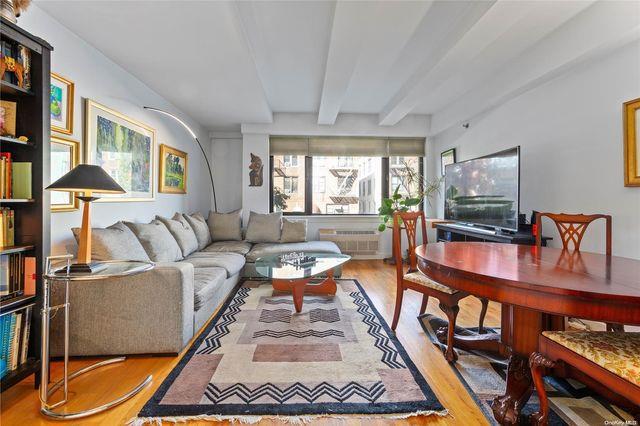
225,226
182,232
205,284
264,228
200,228
231,262
264,249
116,242
293,231
157,241
240,247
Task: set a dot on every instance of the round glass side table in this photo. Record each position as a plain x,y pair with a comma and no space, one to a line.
113,269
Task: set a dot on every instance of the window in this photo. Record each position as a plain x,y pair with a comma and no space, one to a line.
319,184
342,175
287,194
348,185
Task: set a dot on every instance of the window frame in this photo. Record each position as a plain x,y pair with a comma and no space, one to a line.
308,184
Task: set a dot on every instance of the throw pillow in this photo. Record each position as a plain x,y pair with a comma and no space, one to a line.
182,232
264,228
157,241
226,226
116,242
200,228
293,231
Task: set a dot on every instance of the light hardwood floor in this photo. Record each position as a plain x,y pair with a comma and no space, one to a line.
20,406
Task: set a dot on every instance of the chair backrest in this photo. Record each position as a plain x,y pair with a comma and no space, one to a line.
408,221
572,228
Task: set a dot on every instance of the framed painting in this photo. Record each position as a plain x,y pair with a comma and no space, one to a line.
173,170
632,143
447,157
124,148
65,155
61,104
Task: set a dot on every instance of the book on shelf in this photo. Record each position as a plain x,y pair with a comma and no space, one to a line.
7,227
6,166
12,271
21,179
29,275
14,339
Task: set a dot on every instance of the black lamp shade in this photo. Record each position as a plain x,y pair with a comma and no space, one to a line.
87,177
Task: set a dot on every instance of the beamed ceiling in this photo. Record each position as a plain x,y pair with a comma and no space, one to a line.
227,63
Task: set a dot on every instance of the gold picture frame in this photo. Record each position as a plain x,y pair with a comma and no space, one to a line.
632,143
135,170
172,181
68,158
61,104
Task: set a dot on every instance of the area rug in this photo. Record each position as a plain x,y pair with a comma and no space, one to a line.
259,358
484,377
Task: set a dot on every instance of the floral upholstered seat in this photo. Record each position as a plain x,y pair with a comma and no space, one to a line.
618,353
422,279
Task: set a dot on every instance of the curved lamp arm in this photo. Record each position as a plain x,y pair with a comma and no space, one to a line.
193,135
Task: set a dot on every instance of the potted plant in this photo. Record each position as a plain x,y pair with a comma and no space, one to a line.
410,193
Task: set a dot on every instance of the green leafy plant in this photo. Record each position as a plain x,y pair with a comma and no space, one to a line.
410,197
280,199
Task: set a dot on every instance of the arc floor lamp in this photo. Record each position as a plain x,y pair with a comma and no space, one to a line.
193,135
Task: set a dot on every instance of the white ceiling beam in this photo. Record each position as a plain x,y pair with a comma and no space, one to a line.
445,24
348,32
596,31
245,23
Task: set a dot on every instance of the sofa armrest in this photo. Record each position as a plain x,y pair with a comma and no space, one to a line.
151,312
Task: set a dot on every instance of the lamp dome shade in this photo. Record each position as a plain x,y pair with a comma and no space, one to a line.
87,177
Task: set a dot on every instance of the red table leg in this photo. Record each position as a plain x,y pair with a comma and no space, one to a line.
299,287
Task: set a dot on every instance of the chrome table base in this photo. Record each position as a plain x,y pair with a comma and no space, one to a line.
47,391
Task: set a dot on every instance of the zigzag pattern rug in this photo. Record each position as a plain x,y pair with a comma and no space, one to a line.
258,357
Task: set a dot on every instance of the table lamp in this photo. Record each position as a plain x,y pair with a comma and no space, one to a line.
86,178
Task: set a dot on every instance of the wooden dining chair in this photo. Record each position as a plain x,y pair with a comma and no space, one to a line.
572,228
415,280
609,363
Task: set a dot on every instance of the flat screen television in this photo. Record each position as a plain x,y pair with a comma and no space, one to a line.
484,191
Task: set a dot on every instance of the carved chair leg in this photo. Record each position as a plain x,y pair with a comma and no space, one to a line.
425,302
618,328
483,313
451,312
396,313
538,363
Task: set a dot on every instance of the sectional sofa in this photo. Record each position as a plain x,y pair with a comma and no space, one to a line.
197,264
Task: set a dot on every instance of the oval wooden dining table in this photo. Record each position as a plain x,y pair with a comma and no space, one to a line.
537,287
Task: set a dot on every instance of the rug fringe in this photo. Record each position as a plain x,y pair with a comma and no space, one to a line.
296,420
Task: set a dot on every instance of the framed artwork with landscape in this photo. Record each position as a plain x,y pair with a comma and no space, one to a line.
124,148
447,157
61,104
632,143
173,170
65,155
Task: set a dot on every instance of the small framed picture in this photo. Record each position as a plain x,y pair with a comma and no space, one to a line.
446,158
632,143
61,100
173,170
65,155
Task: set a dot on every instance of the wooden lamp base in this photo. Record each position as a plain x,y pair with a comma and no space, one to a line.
84,263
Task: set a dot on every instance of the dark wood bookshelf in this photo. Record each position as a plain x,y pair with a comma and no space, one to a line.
31,216
7,139
16,249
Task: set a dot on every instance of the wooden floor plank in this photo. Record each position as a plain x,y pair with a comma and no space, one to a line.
20,405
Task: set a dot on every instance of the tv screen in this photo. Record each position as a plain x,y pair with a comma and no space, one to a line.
484,191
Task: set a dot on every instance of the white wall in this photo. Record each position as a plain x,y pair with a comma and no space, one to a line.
570,134
226,161
98,78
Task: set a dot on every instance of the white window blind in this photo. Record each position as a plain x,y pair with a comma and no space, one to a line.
346,146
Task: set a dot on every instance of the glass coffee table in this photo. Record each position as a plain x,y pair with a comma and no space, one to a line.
297,279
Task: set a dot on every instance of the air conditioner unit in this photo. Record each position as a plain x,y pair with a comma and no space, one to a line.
356,243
